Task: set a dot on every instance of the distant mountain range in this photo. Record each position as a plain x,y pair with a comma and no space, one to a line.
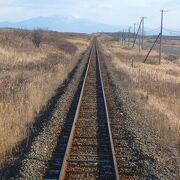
63,24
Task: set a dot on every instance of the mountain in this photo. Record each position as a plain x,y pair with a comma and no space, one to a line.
62,24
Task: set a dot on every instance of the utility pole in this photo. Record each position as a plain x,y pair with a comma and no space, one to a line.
142,42
161,35
119,39
140,37
142,28
137,34
123,37
134,29
134,35
129,34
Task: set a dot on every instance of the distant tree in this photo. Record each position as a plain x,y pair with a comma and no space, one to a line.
37,37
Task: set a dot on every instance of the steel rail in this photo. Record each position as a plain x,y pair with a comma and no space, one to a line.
70,141
108,121
64,165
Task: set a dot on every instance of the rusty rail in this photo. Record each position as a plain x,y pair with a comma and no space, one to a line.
113,169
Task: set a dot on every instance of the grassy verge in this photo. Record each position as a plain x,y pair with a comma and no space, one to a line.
154,88
29,76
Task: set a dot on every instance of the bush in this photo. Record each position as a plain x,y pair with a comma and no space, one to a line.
36,37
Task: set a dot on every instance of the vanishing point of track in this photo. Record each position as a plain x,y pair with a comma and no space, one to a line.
89,151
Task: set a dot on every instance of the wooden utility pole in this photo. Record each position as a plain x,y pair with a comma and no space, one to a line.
142,29
161,35
137,34
142,42
123,37
140,37
129,34
134,29
134,35
119,38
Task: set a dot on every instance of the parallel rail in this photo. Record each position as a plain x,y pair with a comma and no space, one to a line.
89,150
108,122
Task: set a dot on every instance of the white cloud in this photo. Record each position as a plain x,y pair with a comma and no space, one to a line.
7,1
77,17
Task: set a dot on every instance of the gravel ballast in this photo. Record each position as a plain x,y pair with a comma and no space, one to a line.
150,154
33,164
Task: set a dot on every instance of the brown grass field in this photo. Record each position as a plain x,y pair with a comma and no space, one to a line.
167,42
29,76
155,88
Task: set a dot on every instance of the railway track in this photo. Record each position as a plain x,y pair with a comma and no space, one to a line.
86,151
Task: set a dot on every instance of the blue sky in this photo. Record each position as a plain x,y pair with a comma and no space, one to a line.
117,12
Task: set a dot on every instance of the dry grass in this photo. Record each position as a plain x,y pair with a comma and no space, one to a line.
168,42
155,88
29,77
